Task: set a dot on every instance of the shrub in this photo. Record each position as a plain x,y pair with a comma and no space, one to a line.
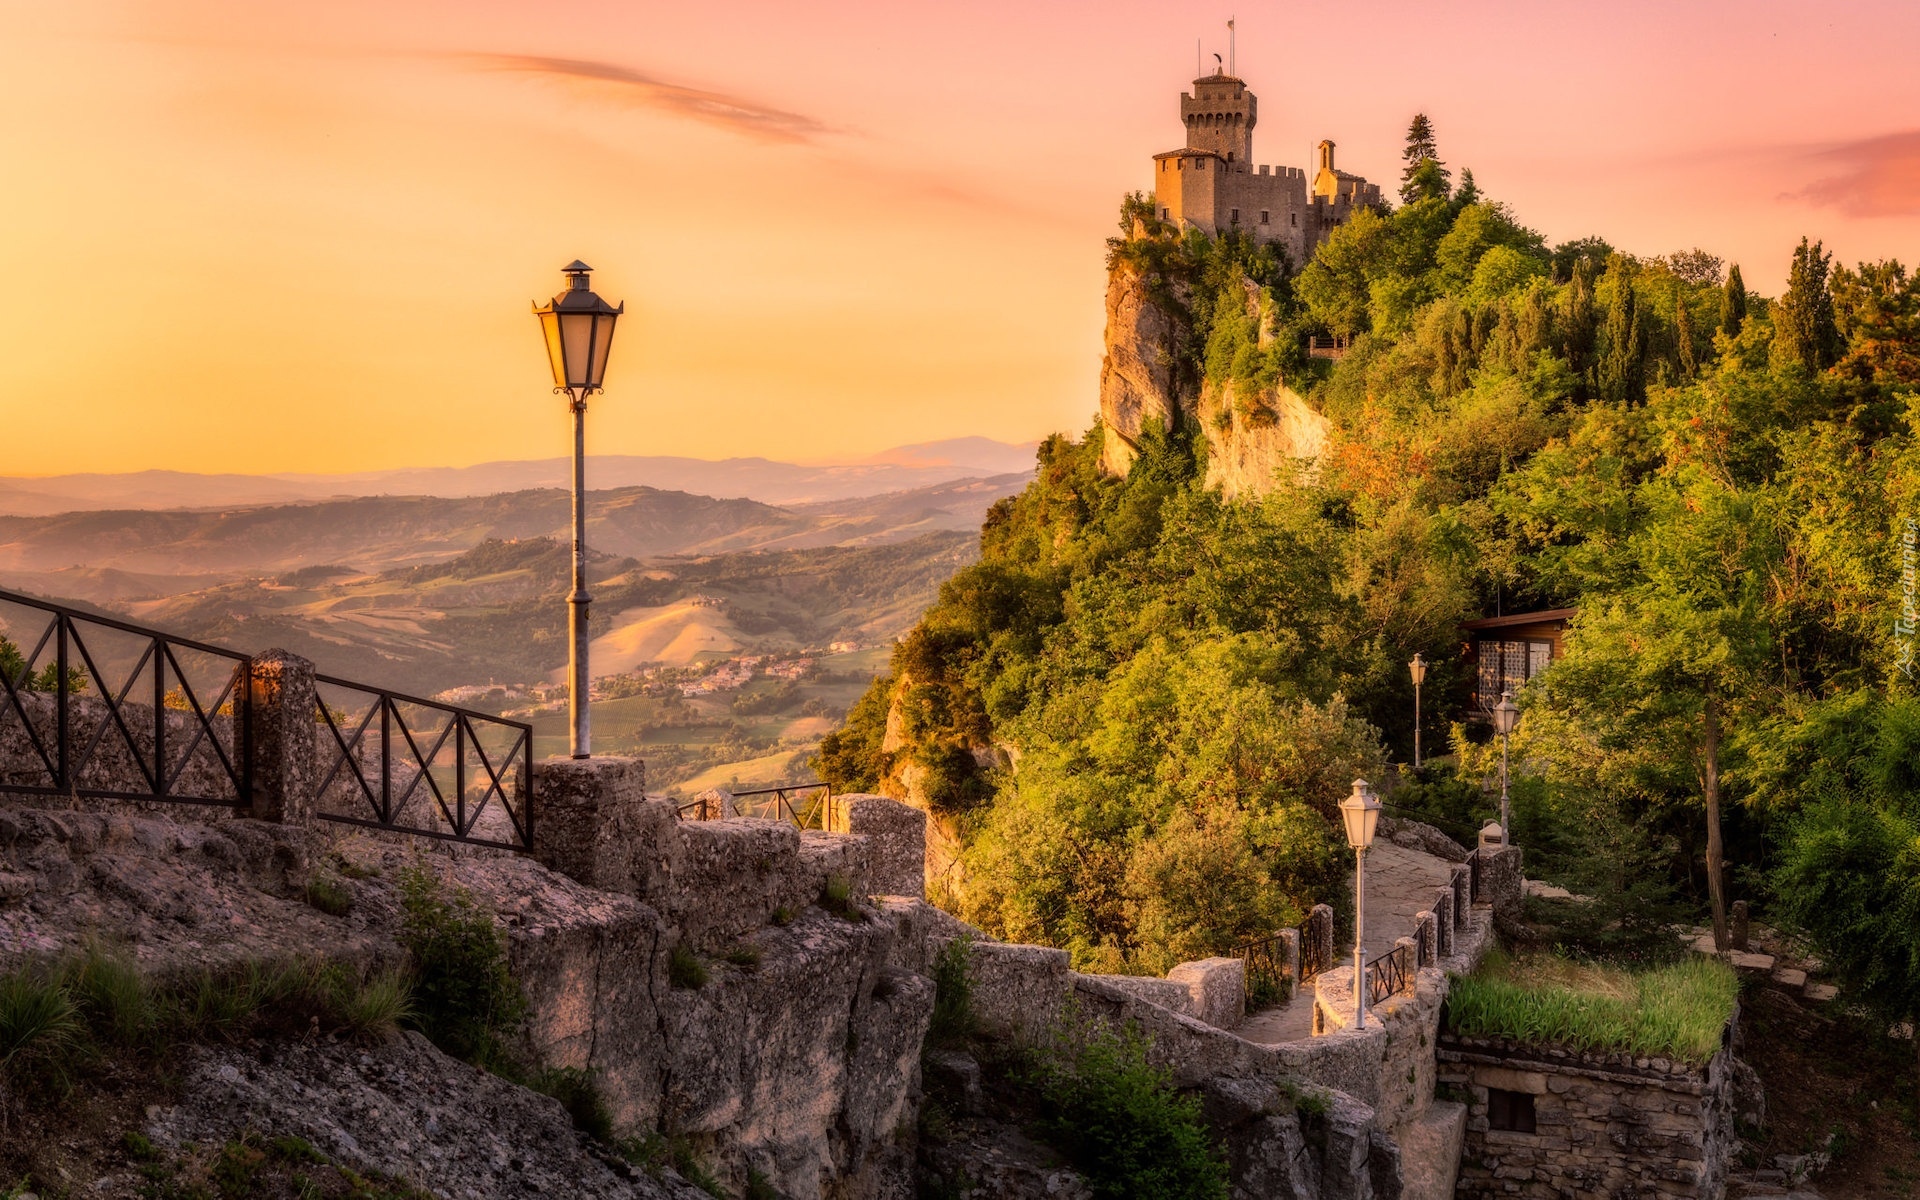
1120,1121
684,968
953,1019
578,1092
40,1026
465,1000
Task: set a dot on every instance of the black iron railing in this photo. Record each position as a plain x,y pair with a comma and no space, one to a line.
1386,976
397,762
1269,977
95,707
1315,955
781,802
785,802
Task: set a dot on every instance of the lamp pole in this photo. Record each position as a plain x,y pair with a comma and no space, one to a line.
578,327
1419,669
1506,715
1360,812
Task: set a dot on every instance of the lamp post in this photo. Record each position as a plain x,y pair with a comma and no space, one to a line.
1419,668
1506,715
1361,813
579,330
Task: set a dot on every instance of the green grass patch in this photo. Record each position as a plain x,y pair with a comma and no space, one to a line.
1675,1011
330,895
685,968
464,999
837,897
953,1018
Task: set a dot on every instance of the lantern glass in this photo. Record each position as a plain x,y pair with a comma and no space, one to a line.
1419,668
1360,812
602,343
556,355
1506,714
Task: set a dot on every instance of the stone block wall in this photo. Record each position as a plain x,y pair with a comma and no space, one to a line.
896,842
1603,1124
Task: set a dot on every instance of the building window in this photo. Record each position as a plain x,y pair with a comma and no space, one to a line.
1511,1111
1166,214
1266,216
1293,219
1505,665
1233,215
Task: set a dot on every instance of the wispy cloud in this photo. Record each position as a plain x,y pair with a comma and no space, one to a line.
1873,177
644,91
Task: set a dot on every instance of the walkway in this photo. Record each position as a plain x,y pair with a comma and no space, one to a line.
1400,883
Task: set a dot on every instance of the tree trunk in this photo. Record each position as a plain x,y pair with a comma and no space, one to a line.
1716,870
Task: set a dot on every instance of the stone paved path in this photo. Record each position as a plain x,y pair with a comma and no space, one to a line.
1400,883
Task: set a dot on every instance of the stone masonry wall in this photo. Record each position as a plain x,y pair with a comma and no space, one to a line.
1604,1124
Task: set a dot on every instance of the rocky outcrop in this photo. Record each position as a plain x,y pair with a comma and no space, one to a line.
402,1109
1254,434
1139,373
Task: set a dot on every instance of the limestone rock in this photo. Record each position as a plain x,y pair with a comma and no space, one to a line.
1138,373
990,1160
406,1110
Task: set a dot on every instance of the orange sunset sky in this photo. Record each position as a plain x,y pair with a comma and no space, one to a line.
259,236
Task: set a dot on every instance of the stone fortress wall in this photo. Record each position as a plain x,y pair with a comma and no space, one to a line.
1213,184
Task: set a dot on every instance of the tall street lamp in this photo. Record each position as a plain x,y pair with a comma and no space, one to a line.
579,329
1419,668
1506,715
1361,812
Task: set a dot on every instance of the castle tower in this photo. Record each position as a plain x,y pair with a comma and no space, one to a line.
1220,113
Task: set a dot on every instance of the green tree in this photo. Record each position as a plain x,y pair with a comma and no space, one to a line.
1425,176
1733,303
1623,366
1804,329
1684,339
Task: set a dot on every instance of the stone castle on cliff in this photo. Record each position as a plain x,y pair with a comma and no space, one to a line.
1213,185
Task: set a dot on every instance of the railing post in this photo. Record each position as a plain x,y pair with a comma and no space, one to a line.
281,707
62,702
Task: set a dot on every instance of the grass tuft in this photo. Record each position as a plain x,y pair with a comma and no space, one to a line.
684,968
837,897
579,1093
746,956
330,895
1675,1011
40,1025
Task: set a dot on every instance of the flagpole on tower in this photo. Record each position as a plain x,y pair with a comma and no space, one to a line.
1230,63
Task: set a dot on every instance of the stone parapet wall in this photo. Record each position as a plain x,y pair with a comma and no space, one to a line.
896,834
1603,1124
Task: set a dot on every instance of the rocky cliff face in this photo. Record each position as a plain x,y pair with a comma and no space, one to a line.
1252,433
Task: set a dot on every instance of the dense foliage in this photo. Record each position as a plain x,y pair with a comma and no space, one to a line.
1138,708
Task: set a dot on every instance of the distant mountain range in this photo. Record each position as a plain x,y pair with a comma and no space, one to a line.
903,468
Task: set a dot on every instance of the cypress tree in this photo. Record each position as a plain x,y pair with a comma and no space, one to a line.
1683,334
1536,324
1804,329
1580,323
1733,303
1622,370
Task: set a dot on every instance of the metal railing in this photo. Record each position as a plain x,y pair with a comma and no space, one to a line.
67,728
782,803
1268,972
1386,976
421,767
1314,954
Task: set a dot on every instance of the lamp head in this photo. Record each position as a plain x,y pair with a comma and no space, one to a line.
1419,668
1506,714
1360,811
579,330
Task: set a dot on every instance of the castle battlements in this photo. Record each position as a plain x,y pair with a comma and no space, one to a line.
1213,184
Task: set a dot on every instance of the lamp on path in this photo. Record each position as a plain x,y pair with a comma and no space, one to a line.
1419,668
579,330
1361,812
1506,715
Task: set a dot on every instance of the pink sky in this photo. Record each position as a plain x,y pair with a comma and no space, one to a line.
251,236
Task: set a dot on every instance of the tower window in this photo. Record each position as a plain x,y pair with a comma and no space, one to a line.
1511,1111
1293,220
1166,215
1233,214
1266,216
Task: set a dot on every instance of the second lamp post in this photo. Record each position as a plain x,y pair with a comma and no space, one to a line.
1506,715
579,330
